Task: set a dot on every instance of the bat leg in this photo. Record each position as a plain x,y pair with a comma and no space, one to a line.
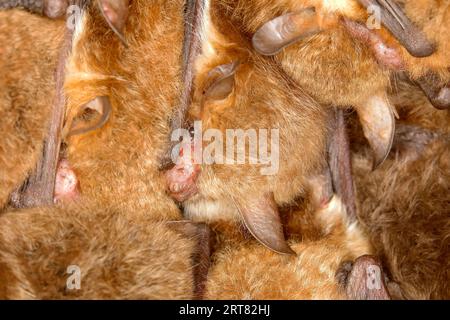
55,8
402,28
385,54
363,279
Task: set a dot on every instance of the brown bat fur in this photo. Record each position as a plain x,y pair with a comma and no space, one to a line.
335,69
263,98
119,256
28,57
433,17
335,54
243,269
404,205
118,164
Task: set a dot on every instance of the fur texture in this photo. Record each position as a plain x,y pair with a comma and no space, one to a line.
28,57
119,257
263,97
243,269
404,205
118,164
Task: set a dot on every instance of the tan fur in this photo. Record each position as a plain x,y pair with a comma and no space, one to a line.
263,98
243,269
118,164
28,56
119,257
335,69
433,17
404,205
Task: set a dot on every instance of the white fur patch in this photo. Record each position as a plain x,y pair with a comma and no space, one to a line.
339,6
210,210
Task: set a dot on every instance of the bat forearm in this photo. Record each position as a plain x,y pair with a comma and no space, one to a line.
31,5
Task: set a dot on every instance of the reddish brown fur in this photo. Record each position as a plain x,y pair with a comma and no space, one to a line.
119,256
335,69
433,17
118,164
243,269
404,205
263,98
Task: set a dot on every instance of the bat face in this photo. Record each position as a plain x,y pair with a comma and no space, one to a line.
243,105
137,85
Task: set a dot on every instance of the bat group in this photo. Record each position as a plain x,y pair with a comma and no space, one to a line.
87,178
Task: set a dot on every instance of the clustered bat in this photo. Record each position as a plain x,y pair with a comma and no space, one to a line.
105,108
137,71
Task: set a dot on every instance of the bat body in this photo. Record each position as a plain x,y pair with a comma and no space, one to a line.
404,204
111,174
81,251
236,89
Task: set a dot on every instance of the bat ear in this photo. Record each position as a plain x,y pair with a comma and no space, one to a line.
262,219
115,13
91,116
284,30
220,81
378,122
401,27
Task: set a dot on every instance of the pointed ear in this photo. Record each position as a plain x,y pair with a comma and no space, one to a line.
378,122
262,219
91,116
285,30
220,81
401,27
115,13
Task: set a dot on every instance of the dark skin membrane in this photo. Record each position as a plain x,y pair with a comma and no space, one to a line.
194,15
49,8
340,164
402,28
439,95
201,258
38,189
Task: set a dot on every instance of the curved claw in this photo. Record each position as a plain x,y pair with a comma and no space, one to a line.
284,30
378,122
